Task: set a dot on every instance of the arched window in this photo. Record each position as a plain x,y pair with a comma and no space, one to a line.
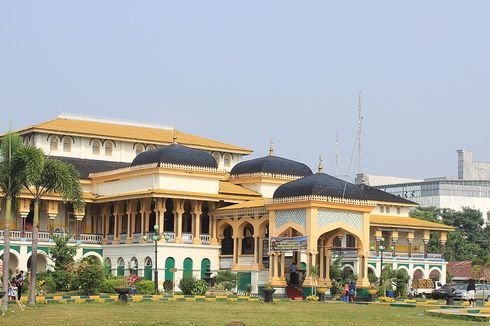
248,240
96,147
139,149
148,268
133,266
227,160
217,158
53,143
187,268
108,148
169,264
120,266
187,217
168,216
66,144
205,263
150,147
351,241
108,265
205,218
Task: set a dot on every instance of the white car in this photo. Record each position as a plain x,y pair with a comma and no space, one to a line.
482,292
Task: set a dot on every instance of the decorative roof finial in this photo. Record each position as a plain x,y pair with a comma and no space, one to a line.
271,148
174,139
320,164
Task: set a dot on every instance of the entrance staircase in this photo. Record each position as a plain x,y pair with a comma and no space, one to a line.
294,293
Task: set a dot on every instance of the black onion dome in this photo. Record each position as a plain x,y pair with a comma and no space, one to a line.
175,154
321,184
272,164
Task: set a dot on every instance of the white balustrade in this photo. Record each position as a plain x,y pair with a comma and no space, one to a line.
205,238
169,236
187,237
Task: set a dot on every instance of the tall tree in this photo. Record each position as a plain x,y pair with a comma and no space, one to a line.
49,176
12,174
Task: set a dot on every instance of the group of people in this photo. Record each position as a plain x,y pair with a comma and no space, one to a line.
16,285
349,292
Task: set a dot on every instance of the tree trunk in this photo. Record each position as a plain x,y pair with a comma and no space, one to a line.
6,252
35,236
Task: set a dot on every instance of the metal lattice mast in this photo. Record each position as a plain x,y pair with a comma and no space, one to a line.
359,134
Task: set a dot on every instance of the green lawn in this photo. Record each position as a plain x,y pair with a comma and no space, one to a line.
214,313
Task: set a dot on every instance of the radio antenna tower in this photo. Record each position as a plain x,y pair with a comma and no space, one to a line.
359,134
336,154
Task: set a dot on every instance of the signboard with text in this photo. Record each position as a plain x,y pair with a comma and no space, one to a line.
284,244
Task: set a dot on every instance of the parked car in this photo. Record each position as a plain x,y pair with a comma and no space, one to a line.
442,292
482,292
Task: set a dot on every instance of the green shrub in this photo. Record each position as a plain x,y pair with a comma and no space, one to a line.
187,285
145,287
63,279
227,286
228,278
45,283
200,287
89,276
168,286
108,285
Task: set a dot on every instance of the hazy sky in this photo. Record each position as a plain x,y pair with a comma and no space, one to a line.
247,71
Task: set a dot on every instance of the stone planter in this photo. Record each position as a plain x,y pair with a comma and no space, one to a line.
268,295
321,290
372,294
123,294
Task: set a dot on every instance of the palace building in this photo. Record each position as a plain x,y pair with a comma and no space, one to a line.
214,207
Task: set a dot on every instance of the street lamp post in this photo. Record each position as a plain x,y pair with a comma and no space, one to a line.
155,238
381,249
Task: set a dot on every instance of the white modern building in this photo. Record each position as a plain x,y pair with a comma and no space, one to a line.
470,189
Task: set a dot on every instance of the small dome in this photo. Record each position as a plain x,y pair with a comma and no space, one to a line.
271,164
319,184
175,154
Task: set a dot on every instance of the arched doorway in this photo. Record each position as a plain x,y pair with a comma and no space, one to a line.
227,244
42,263
13,261
188,268
169,263
418,274
435,275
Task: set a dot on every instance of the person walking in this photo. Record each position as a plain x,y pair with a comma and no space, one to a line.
345,293
352,291
293,274
20,278
470,292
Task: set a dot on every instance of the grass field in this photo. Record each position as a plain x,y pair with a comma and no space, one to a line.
209,313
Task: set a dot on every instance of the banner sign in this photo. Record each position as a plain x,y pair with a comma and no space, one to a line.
288,244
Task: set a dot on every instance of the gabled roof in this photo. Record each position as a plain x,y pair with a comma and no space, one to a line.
229,188
155,135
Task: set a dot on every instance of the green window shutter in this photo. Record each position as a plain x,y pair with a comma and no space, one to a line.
169,263
187,268
205,263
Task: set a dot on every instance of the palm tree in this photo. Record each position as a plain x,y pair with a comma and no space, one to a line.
12,172
49,176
